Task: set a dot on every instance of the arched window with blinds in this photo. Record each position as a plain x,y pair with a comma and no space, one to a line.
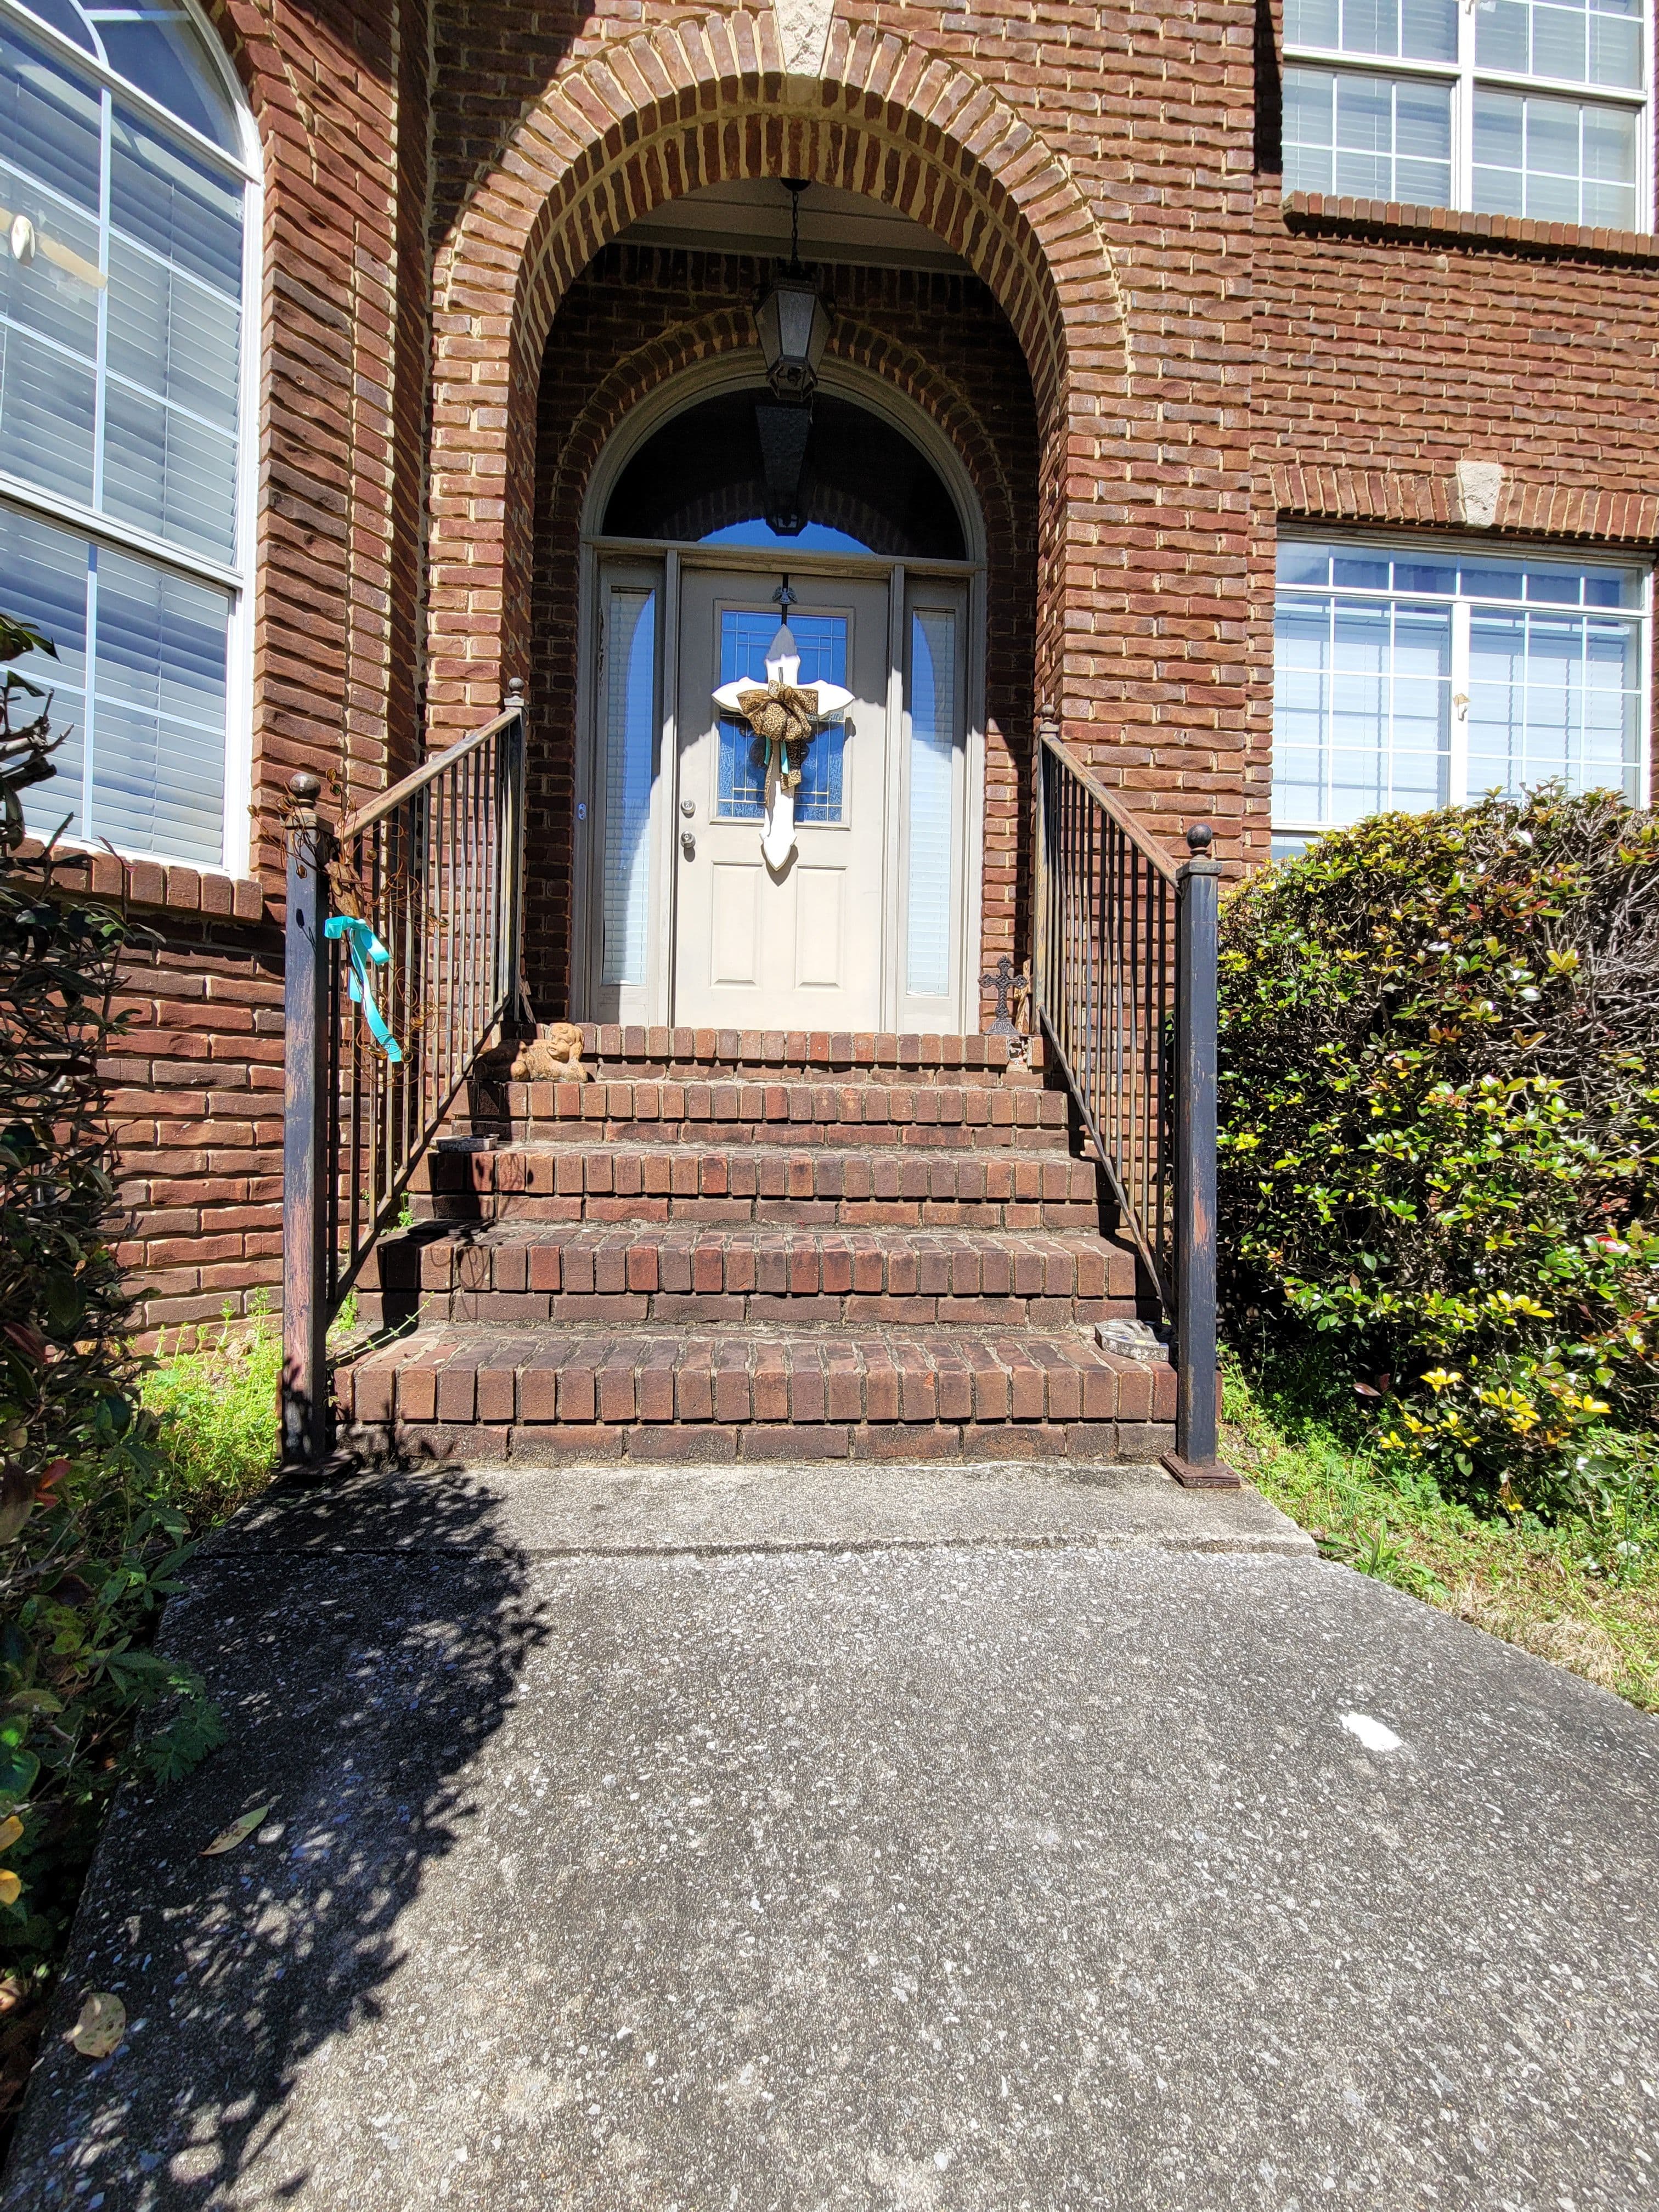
128,312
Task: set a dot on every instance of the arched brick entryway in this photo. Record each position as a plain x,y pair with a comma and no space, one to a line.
704,101
636,324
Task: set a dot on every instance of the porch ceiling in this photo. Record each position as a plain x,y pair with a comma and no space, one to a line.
752,216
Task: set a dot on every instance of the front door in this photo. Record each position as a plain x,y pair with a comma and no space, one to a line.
799,948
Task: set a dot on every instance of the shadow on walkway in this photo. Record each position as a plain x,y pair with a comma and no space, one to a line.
357,1687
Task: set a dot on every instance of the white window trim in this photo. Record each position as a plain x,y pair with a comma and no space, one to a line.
1464,547
246,167
1463,77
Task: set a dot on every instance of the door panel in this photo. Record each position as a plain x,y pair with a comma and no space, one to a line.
802,949
736,926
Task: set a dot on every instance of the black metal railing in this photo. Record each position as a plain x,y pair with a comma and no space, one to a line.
1124,980
404,961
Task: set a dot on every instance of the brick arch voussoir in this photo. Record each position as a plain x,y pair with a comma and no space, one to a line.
649,119
588,159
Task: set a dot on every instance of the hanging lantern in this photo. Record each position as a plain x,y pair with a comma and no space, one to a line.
792,321
795,328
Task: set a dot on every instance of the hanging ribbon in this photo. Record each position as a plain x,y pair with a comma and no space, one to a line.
364,949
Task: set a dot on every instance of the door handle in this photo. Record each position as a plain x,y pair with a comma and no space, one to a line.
688,845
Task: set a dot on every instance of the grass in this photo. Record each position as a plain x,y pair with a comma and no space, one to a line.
217,1408
1581,1592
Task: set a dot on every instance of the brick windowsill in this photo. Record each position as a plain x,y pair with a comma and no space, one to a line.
1326,212
161,885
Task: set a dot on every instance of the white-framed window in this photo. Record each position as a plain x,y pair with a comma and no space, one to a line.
1525,107
1427,675
129,321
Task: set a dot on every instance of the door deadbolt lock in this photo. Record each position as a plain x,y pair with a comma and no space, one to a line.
688,845
688,807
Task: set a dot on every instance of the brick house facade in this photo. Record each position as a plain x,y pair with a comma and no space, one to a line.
1151,362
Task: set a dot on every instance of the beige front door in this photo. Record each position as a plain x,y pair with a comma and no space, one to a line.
801,949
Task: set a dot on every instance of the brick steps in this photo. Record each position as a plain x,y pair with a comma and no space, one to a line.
653,1052
732,1246
710,1183
870,1113
692,1276
736,1394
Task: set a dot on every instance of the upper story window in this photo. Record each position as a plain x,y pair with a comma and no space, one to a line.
126,173
1425,676
1525,107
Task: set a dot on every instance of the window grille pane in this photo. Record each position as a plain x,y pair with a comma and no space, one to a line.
54,295
821,639
43,580
1381,138
1362,708
47,416
1601,44
173,338
176,205
1553,696
161,50
1412,30
1557,160
631,758
166,472
50,124
158,754
65,17
933,761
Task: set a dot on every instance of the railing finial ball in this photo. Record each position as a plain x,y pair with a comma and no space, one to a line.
514,693
1200,837
305,785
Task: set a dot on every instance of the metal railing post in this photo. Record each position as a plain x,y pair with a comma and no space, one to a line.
1040,892
514,981
305,1406
1194,1460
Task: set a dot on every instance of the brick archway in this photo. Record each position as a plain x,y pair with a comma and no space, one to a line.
657,115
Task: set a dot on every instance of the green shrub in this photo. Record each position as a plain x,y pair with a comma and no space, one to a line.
89,1544
1440,1127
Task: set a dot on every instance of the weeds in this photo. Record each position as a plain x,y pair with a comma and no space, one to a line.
1582,1590
216,1415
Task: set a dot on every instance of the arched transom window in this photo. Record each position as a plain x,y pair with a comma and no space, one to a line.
126,175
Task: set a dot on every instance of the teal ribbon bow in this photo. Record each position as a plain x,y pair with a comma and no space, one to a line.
364,949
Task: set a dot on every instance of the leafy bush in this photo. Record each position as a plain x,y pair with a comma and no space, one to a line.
89,1545
1440,1126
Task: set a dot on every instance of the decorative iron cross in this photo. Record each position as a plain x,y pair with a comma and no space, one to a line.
1002,979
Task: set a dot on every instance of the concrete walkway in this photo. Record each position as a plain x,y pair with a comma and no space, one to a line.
896,1840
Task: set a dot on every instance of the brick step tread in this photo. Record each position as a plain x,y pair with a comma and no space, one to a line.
718,1171
854,1051
607,1258
553,1375
800,1113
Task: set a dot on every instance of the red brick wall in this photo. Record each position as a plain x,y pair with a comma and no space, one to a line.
638,318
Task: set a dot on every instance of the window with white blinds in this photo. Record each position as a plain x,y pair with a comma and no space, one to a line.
629,671
930,841
1417,676
126,231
